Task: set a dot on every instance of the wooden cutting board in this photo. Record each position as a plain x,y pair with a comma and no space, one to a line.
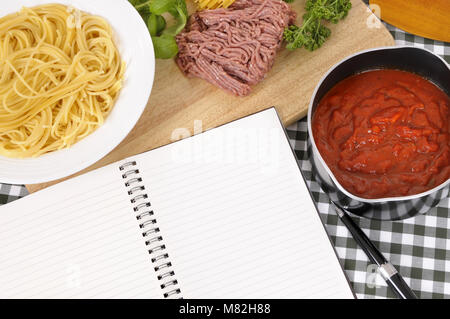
426,18
176,101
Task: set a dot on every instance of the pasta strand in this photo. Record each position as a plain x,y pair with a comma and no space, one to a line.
60,75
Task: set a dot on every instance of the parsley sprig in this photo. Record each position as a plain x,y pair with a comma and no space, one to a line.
312,33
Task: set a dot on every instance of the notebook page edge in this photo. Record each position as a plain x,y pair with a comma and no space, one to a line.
316,208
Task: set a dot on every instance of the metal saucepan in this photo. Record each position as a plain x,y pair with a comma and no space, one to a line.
416,60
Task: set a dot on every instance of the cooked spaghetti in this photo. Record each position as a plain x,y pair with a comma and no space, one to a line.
213,4
60,74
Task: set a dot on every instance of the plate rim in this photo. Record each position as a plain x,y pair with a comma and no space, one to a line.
140,102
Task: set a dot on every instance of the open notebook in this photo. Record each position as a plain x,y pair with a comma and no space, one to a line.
223,214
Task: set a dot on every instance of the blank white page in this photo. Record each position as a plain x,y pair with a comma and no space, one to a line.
237,218
78,239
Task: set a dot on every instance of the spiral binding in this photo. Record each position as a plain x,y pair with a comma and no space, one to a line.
150,230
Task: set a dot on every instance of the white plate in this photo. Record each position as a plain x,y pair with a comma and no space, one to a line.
136,49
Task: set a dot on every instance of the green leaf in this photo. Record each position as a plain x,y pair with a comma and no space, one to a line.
182,5
143,10
163,37
160,6
152,24
181,17
136,2
145,13
156,24
312,34
161,24
165,46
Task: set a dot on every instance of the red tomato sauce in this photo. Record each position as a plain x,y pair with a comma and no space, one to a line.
385,133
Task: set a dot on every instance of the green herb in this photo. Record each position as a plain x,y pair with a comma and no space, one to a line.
163,36
165,46
156,24
312,34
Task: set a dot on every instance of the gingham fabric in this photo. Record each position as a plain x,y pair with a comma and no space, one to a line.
418,247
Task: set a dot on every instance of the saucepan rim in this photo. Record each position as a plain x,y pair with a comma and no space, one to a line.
324,164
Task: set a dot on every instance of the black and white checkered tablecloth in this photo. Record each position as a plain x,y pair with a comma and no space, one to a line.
419,247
